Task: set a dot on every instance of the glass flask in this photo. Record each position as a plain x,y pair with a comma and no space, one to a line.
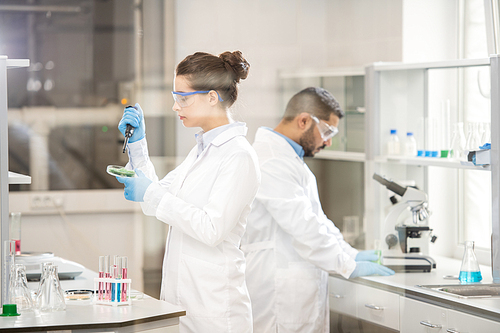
486,137
473,139
469,271
50,296
457,142
18,289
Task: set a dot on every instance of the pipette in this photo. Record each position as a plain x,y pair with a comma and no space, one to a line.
129,131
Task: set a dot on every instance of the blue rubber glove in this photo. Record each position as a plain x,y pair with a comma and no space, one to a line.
368,255
134,117
135,187
364,268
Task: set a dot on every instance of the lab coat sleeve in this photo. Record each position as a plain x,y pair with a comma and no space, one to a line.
285,199
236,184
352,252
138,156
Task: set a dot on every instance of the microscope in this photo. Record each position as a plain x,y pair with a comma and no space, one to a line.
411,236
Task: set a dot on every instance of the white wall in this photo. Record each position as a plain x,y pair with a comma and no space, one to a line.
285,34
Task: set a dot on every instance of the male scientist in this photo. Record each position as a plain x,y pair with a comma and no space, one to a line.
290,245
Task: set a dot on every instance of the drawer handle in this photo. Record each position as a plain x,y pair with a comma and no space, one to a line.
451,330
336,296
374,307
429,324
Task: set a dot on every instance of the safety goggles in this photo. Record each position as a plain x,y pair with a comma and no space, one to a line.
184,98
327,131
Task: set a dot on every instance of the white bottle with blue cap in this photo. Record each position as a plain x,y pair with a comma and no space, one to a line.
393,143
410,148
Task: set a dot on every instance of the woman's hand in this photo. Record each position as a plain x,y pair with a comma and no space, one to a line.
135,187
135,117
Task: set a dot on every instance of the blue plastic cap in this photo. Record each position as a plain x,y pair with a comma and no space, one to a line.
393,131
420,153
409,134
434,153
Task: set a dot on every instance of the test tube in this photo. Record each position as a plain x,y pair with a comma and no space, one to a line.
113,275
15,230
107,275
124,276
118,276
101,275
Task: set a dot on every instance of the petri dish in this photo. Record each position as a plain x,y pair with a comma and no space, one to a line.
80,296
116,170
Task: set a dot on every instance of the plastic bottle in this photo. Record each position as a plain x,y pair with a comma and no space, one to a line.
393,143
469,271
410,145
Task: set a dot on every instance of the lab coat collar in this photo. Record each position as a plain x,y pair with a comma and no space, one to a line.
265,135
238,129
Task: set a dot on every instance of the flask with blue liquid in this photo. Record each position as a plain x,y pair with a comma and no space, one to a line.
469,272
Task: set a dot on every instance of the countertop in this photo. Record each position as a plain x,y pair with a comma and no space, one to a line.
145,313
407,284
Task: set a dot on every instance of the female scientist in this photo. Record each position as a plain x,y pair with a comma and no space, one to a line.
206,199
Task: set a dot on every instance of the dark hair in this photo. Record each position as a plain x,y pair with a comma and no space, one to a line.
205,71
313,100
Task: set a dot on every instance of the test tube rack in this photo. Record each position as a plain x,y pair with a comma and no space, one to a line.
109,291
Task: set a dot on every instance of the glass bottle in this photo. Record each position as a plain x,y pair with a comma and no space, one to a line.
469,271
457,142
18,289
50,296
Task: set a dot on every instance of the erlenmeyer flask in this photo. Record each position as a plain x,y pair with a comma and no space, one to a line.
18,290
469,271
50,296
457,142
486,138
473,140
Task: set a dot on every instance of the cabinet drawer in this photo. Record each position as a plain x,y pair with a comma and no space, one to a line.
342,296
419,317
378,306
459,322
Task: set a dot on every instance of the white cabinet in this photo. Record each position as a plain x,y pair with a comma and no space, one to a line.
422,317
363,302
459,322
342,295
378,306
419,317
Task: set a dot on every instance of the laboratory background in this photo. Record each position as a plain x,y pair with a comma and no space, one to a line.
395,66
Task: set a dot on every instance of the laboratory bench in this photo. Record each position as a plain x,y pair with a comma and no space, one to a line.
398,302
143,315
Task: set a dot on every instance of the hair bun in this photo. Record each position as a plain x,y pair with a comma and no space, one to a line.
235,62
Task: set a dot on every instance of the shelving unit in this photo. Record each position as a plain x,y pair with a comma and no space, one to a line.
6,177
400,96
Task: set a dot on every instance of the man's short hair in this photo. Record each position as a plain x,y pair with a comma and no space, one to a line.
314,100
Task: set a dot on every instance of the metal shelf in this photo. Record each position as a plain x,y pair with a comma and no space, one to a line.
341,155
429,161
17,178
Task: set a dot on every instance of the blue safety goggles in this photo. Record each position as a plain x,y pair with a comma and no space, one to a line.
184,98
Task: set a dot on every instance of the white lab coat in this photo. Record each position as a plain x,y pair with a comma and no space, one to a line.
290,245
205,201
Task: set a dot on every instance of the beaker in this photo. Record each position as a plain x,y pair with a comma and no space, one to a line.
50,296
18,289
469,271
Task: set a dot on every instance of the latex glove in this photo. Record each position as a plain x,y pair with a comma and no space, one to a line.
135,187
368,255
134,117
364,268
